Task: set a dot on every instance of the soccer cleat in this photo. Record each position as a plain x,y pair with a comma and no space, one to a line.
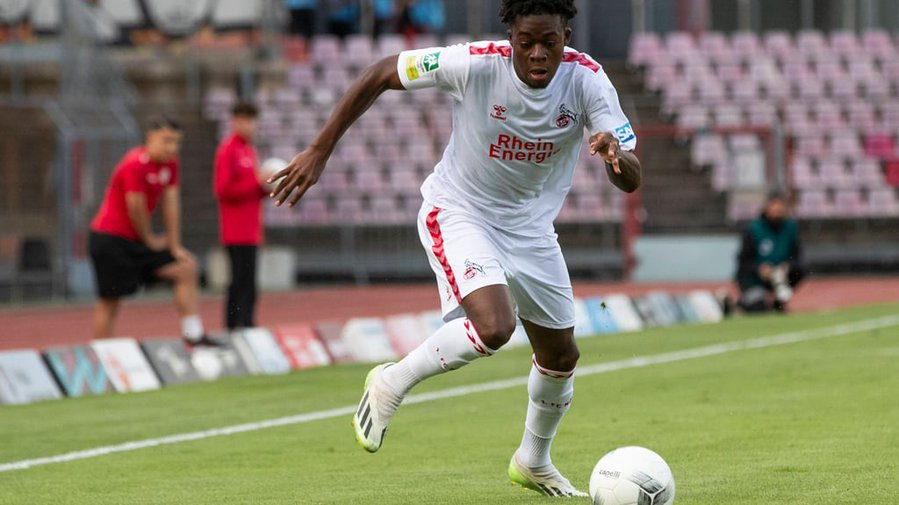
203,342
545,479
379,403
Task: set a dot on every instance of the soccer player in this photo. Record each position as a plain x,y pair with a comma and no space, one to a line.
239,190
123,247
519,114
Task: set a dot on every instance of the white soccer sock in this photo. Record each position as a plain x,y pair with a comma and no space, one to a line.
550,395
192,327
453,346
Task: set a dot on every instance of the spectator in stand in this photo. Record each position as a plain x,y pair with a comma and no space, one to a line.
384,11
240,190
769,267
302,17
420,16
343,17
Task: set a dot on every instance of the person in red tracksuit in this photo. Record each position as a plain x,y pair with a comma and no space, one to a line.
239,190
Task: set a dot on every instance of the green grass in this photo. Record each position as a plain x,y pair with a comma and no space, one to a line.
805,423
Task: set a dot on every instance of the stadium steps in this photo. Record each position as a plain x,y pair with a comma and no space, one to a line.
677,198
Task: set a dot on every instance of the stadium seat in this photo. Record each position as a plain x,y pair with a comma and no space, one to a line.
728,115
802,175
813,203
849,203
325,49
717,47
867,172
762,114
878,44
845,44
708,150
833,174
778,44
693,117
882,202
747,46
881,146
358,49
645,49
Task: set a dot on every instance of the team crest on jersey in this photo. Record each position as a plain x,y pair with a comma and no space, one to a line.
499,112
472,269
566,117
416,66
163,178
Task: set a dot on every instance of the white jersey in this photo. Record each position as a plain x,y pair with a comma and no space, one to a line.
513,150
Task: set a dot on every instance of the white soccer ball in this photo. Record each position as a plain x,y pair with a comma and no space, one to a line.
272,166
632,476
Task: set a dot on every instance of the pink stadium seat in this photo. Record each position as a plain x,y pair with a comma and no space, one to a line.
867,172
404,180
681,47
779,44
746,92
849,203
796,117
349,209
661,74
809,88
878,90
878,44
325,49
314,211
882,202
813,46
764,70
712,92
590,207
675,96
358,49
697,70
889,111
881,147
728,115
811,146
730,72
862,69
301,76
802,175
830,70
334,180
722,177
693,117
645,49
388,154
747,46
368,179
843,90
795,68
383,209
762,114
813,203
390,43
708,150
833,174
845,44
777,91
716,46
845,146
828,117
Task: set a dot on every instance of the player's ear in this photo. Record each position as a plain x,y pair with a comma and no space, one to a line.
567,35
509,34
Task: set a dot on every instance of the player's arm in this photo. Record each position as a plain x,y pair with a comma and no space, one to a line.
622,167
171,219
306,167
136,202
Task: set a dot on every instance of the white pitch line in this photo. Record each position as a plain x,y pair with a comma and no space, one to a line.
637,362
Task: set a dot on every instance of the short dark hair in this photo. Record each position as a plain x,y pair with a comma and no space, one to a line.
510,10
244,109
160,122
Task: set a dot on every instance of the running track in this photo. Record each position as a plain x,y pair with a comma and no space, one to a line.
43,326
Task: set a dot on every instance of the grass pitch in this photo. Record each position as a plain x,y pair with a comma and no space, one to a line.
803,423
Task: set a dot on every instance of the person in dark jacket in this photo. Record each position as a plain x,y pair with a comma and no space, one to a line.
769,267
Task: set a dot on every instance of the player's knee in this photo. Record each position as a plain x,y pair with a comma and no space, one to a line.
496,331
568,360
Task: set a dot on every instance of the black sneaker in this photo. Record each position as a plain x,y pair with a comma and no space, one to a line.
204,341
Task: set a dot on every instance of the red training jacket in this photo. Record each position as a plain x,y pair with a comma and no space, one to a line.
239,192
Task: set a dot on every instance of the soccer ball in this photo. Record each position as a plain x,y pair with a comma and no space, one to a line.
271,166
632,476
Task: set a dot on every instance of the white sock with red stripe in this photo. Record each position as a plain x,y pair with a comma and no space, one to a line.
550,395
192,327
453,346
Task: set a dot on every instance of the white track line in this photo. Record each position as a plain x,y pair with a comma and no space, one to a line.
638,362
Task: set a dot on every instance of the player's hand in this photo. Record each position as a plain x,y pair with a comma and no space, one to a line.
182,254
607,146
298,176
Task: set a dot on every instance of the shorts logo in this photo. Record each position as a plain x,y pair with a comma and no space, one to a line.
625,133
472,269
416,66
566,117
499,112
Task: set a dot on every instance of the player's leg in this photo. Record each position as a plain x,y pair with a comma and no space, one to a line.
105,312
183,273
242,289
542,289
477,306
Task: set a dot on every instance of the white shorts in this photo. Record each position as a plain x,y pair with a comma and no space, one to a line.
467,254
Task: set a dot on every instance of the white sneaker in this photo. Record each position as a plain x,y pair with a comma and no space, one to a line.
379,403
545,479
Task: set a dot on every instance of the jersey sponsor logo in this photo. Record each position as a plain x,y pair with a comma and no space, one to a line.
472,269
499,112
625,133
162,177
566,117
511,148
421,64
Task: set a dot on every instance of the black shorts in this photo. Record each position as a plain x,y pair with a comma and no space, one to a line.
122,265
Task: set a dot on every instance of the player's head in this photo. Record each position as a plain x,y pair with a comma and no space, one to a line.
776,208
243,119
538,32
163,139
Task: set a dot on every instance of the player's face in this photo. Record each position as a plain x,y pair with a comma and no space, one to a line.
245,126
538,44
163,144
776,210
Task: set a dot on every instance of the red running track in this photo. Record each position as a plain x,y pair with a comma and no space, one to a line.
44,326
